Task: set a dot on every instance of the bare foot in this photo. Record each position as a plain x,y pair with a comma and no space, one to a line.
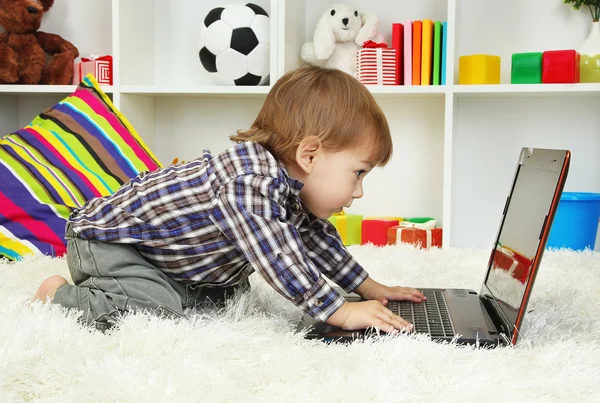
48,288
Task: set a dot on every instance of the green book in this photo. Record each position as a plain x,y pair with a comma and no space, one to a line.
437,52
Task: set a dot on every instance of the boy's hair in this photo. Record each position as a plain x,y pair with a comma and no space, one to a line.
322,102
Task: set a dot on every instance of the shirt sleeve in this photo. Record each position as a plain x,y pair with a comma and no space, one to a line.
249,215
327,251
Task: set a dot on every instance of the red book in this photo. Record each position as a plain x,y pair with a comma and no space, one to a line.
398,44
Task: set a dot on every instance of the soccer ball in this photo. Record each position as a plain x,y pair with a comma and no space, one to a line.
235,44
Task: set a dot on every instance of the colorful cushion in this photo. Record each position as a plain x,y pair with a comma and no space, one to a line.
80,148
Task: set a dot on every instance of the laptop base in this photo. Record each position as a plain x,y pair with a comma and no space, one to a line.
473,326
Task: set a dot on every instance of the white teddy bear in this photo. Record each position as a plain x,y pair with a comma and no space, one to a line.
340,32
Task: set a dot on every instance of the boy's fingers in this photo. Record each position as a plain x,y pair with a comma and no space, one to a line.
387,327
396,321
403,324
414,293
408,294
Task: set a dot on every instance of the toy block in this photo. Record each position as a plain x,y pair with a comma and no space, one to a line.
589,69
375,231
526,68
479,69
349,226
560,66
422,238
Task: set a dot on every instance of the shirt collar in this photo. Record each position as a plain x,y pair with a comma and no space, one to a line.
295,185
295,188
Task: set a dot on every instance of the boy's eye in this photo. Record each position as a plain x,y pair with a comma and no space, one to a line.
359,173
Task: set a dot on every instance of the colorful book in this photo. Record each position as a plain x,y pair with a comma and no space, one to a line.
398,44
416,52
437,53
444,42
426,51
408,28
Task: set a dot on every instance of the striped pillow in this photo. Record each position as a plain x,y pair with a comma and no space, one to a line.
80,148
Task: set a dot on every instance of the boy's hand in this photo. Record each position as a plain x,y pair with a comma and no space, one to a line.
361,315
372,290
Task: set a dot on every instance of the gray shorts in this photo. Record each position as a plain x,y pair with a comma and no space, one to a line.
111,279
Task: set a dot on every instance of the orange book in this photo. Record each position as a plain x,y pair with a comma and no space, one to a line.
416,55
426,51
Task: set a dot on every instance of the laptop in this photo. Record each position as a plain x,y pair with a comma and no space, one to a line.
493,316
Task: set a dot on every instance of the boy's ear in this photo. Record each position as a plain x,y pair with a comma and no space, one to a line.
306,152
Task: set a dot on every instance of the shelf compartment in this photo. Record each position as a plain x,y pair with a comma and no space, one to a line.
299,19
516,26
162,47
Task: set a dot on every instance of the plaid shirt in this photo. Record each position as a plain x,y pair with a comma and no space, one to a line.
213,221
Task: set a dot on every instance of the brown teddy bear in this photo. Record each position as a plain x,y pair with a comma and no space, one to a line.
24,49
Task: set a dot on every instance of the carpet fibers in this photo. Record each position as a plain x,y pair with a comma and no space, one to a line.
250,352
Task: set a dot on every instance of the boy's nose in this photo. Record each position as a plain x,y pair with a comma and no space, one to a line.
358,191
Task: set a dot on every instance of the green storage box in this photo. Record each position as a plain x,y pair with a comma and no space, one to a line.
526,68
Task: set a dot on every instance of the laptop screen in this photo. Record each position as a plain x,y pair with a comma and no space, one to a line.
518,242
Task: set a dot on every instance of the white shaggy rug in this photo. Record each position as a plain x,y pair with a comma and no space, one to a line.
250,351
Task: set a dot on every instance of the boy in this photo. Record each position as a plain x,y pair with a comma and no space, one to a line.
173,238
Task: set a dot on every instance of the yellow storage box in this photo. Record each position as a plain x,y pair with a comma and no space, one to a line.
479,69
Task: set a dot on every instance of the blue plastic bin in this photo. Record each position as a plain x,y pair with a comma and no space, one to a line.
576,222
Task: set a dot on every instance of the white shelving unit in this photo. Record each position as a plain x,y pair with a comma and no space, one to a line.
455,146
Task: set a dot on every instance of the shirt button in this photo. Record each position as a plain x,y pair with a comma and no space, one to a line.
295,207
319,303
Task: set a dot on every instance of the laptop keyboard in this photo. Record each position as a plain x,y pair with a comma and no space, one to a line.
430,316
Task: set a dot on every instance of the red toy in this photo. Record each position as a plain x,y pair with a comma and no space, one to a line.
560,66
422,238
375,231
516,264
100,67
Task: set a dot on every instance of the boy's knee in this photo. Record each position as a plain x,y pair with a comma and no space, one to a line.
48,288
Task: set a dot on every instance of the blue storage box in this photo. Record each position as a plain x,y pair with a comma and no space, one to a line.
576,222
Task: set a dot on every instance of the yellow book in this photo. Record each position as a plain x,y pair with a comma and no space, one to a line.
426,52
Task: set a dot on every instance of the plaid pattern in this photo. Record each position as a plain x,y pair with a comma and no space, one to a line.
213,221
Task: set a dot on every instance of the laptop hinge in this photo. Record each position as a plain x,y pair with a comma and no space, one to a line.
492,310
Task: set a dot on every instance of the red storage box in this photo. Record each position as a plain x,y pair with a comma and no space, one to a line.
375,231
560,66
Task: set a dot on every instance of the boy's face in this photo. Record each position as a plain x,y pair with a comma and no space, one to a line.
334,180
